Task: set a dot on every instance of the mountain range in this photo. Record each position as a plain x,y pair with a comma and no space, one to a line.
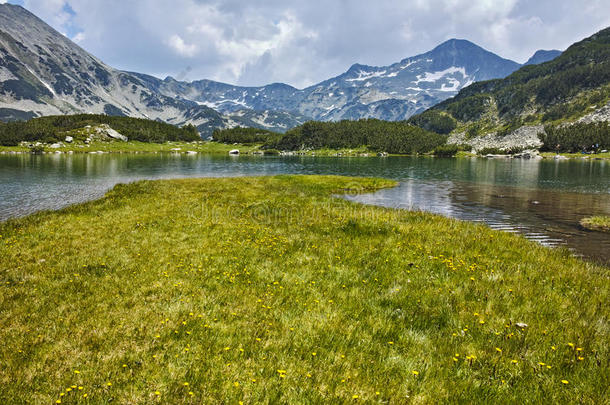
42,73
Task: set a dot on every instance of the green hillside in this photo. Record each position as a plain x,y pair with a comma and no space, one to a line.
562,90
55,128
376,135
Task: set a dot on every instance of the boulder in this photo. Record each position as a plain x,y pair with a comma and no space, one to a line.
528,154
105,130
69,139
234,152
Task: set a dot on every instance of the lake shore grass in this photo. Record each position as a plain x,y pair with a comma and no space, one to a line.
598,223
552,155
216,148
271,290
204,147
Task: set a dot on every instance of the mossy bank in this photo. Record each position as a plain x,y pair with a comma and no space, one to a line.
271,290
598,223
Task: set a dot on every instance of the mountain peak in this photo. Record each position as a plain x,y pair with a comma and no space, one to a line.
456,44
356,67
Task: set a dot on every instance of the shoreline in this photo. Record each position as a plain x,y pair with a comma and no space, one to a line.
214,148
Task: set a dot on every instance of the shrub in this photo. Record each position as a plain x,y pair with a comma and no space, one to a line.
491,151
271,152
379,136
446,150
575,138
36,150
243,135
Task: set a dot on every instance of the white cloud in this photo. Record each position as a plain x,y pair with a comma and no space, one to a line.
181,47
80,37
303,42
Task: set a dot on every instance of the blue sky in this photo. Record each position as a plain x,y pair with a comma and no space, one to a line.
303,42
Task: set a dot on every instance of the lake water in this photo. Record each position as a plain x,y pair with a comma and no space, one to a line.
543,200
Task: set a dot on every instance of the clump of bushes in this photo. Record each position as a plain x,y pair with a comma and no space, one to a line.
491,151
377,135
446,150
576,138
271,152
243,135
36,149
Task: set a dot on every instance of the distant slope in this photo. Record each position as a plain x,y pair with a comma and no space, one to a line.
44,73
542,56
574,86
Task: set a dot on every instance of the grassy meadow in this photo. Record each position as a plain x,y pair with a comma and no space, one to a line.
272,290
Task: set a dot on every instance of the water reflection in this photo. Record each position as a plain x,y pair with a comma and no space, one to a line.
550,217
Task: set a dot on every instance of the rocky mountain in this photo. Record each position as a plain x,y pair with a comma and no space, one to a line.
44,73
392,92
572,88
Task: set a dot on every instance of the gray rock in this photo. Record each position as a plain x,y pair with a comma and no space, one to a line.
69,139
600,115
234,152
105,130
524,137
528,154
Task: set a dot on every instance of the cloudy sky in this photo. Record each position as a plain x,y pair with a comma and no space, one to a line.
302,42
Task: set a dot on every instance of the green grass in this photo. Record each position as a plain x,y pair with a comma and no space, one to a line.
361,151
205,147
599,223
142,147
270,290
605,155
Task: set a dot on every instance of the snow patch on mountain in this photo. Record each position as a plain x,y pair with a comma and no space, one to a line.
366,76
435,76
